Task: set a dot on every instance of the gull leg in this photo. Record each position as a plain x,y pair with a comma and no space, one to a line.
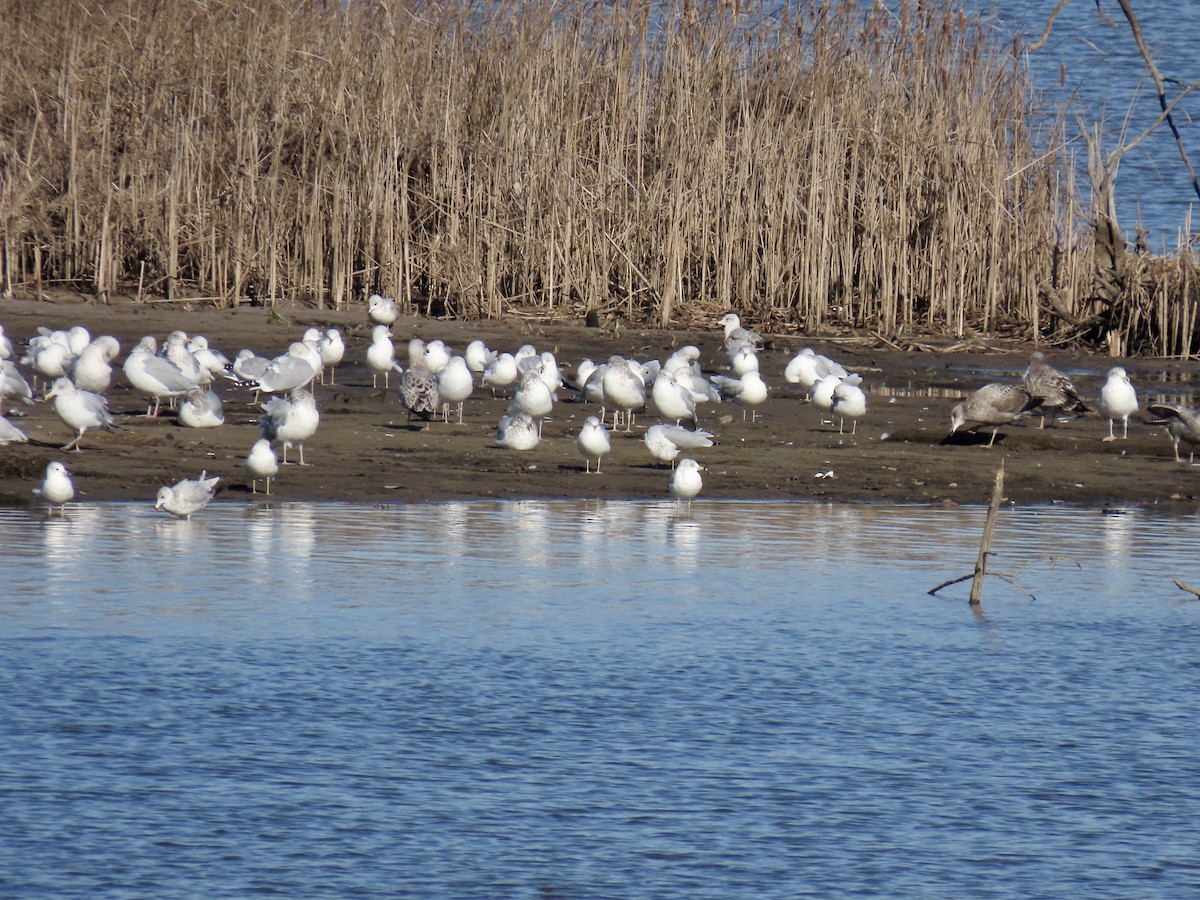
993,440
268,485
302,462
74,445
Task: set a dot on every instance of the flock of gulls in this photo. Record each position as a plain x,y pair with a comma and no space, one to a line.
74,370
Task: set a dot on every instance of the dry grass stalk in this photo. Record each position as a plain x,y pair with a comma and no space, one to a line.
824,166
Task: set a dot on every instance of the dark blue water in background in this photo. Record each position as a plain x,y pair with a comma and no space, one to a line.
595,700
1099,71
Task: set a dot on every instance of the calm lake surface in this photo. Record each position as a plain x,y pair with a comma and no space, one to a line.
596,699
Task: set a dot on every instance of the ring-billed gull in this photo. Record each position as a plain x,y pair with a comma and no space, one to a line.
1051,387
1183,425
532,397
1118,400
91,370
176,350
56,488
736,336
808,367
290,421
748,391
994,405
6,344
672,400
381,355
478,355
849,402
13,383
685,482
437,355
333,349
212,362
518,432
261,463
742,361
666,441
78,409
593,441
248,366
154,376
296,368
500,373
623,389
201,408
10,433
454,385
382,310
187,496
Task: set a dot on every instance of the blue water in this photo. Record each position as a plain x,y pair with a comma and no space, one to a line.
596,700
1097,70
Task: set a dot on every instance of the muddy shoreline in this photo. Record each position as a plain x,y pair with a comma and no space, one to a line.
364,451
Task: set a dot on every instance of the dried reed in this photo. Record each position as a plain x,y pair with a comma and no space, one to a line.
822,164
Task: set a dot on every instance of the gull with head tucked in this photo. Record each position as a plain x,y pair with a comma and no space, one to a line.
685,482
261,462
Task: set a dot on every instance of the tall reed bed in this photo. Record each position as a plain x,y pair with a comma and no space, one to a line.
827,163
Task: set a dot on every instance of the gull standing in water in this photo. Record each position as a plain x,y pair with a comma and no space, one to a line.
1051,387
593,441
78,409
187,496
1183,425
261,462
290,420
1118,400
56,488
994,405
685,481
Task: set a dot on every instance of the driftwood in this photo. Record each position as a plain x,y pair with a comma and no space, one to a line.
1187,587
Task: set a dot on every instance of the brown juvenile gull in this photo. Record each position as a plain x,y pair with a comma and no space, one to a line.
1183,424
1051,387
993,405
418,385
